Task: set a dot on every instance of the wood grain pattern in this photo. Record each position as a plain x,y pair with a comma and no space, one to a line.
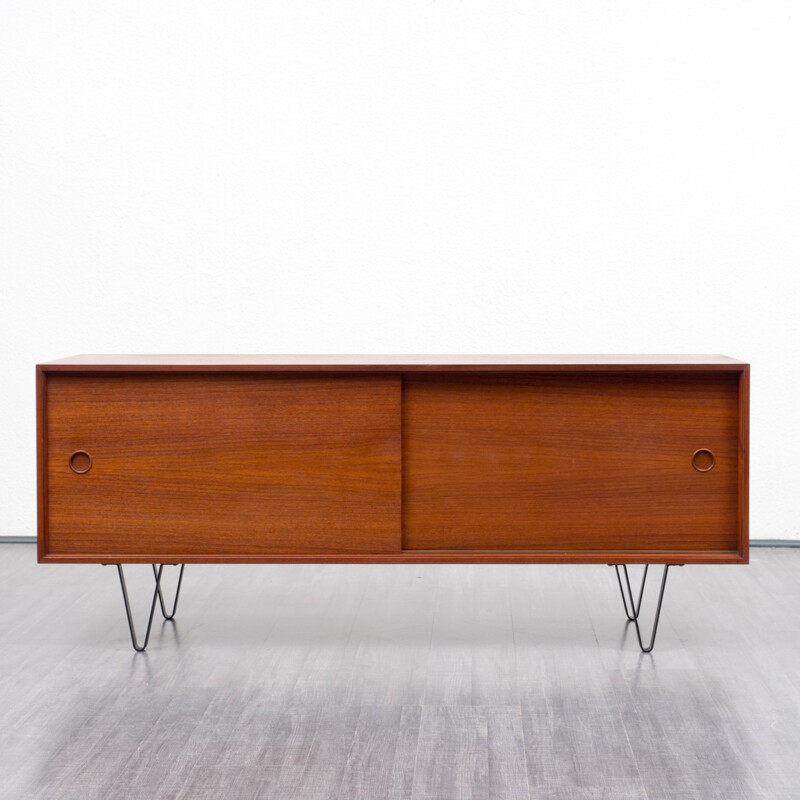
41,462
562,556
453,754
223,465
368,773
743,520
550,463
505,459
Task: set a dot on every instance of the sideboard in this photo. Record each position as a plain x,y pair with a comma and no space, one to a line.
614,460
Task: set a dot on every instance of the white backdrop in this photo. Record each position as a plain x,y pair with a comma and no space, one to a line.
405,176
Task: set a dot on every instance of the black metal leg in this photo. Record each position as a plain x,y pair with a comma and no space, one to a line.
635,610
633,615
171,615
157,597
136,646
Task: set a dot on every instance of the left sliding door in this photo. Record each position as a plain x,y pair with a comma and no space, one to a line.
225,467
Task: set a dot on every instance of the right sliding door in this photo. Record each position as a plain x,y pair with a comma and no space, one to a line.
573,463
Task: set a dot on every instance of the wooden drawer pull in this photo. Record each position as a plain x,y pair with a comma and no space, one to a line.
703,460
80,461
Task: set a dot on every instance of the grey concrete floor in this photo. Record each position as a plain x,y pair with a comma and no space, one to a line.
421,682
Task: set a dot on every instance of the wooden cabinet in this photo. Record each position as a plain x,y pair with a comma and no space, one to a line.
355,458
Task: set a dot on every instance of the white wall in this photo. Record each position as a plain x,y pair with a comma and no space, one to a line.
405,176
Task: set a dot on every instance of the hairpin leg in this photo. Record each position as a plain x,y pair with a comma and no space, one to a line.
633,614
157,597
171,615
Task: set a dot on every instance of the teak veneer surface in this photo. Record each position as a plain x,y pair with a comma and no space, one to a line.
393,458
223,465
546,462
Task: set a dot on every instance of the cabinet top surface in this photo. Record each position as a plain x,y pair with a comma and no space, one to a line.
389,362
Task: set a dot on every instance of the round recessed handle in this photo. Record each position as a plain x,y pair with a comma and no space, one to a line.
80,462
703,460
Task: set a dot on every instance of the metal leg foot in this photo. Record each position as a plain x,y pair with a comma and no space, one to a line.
171,615
157,597
634,612
635,608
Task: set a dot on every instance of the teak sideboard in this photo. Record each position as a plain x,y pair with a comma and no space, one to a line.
505,459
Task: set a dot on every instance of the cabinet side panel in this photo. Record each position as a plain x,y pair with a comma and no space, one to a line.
41,462
744,464
222,465
571,463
